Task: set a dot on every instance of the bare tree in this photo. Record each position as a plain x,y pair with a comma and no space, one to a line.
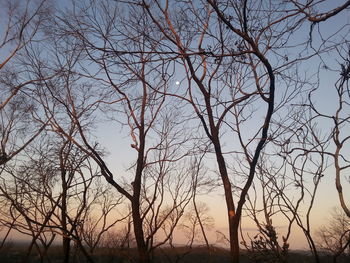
95,225
132,92
339,121
22,25
263,207
310,11
219,86
235,65
26,192
335,237
52,193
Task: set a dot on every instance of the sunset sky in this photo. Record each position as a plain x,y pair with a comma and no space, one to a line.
116,138
327,197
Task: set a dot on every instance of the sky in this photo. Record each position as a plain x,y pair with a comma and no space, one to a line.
327,197
117,142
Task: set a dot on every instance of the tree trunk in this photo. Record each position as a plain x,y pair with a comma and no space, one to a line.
66,249
233,229
65,234
144,256
235,243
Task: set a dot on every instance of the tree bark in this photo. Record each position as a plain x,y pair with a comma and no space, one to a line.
231,213
66,249
65,234
144,256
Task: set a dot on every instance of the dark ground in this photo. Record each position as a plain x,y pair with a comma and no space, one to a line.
16,253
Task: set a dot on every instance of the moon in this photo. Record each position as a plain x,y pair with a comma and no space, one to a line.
177,83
